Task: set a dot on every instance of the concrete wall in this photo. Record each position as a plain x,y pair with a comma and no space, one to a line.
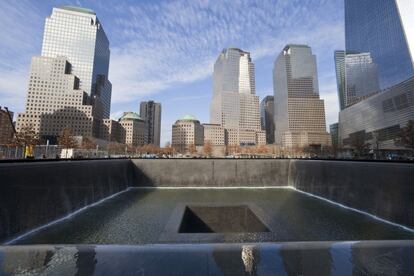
211,172
32,194
383,189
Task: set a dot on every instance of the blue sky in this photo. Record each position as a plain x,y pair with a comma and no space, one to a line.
165,50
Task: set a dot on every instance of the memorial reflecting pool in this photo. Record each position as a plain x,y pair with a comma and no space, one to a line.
155,216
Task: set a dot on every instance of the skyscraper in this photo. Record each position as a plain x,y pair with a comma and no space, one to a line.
339,57
333,131
299,112
54,101
150,112
361,78
384,29
356,77
68,85
235,105
267,115
77,34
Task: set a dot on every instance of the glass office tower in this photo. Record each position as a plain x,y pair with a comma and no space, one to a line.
339,57
379,28
77,34
299,114
379,38
235,105
361,78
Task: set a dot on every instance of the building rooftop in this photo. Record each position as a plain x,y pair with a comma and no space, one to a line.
208,124
188,117
290,46
78,9
130,116
296,46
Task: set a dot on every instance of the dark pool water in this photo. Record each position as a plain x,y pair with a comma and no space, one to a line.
150,216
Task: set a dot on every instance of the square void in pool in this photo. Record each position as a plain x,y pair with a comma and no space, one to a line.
220,219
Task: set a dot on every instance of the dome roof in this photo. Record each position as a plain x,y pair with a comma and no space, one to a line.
130,116
188,117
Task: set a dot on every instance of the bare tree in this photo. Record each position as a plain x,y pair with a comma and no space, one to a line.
116,148
153,149
67,139
406,136
129,149
233,149
263,149
88,143
237,149
359,143
26,137
313,150
334,149
168,150
192,149
207,149
145,149
376,140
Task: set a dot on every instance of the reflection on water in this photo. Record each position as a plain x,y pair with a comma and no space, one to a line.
48,261
382,260
236,260
271,262
85,260
229,262
339,258
310,260
250,258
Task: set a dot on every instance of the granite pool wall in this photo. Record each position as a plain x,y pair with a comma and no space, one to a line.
35,193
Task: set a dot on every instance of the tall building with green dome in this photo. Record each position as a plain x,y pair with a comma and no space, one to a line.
134,129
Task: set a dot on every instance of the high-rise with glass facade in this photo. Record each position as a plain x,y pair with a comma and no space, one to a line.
379,35
68,85
339,57
356,77
299,112
235,105
333,130
361,78
382,29
77,34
